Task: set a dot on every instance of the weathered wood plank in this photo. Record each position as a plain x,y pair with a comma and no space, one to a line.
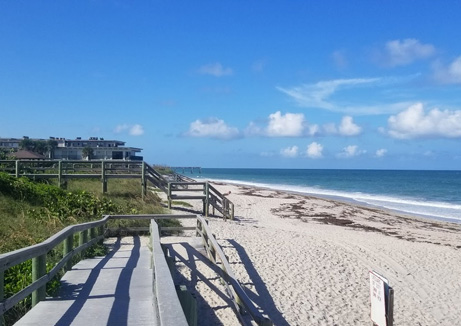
187,197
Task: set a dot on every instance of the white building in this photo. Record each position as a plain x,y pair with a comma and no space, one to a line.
72,149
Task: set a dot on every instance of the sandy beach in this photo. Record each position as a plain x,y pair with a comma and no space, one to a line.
306,260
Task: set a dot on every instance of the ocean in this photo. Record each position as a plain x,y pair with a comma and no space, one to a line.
432,194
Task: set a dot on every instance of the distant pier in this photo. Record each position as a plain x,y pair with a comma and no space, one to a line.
187,168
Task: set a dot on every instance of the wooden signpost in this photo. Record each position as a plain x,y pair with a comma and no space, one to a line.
382,300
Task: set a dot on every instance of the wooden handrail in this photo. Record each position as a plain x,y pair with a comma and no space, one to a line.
167,305
214,250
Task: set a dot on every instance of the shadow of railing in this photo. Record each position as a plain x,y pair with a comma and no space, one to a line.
206,312
119,311
81,293
264,298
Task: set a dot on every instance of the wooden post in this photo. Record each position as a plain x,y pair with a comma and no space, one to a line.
169,195
188,304
60,174
204,237
232,211
2,293
197,228
103,177
143,180
206,192
212,250
17,169
82,239
68,247
38,270
225,208
101,232
92,233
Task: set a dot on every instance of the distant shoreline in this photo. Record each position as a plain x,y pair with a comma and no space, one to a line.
336,198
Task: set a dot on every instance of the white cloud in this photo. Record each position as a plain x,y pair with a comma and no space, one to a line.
316,95
283,125
121,128
319,95
351,151
136,130
288,125
450,74
213,128
289,151
404,52
314,150
414,122
215,69
381,152
295,125
348,127
133,130
312,130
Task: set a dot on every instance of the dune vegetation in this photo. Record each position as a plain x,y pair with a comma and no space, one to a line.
30,212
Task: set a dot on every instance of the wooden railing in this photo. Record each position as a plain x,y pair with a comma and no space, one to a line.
63,170
104,170
155,178
202,191
183,178
220,202
239,297
89,234
166,303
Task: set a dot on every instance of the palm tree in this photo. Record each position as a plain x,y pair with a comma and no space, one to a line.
87,153
50,147
27,144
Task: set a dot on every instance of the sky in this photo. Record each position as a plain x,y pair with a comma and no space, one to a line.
240,84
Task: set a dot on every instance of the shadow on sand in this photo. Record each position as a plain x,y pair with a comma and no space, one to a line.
206,312
264,298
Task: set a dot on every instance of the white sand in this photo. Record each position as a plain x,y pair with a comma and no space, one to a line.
302,269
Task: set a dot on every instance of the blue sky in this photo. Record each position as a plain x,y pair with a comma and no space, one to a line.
273,84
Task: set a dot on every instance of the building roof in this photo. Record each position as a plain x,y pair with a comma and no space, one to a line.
27,155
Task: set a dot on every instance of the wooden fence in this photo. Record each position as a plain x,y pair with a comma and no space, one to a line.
64,170
104,170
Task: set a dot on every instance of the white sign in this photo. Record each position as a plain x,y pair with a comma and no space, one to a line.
378,299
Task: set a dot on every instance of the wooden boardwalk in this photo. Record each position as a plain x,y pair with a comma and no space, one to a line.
111,290
132,284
